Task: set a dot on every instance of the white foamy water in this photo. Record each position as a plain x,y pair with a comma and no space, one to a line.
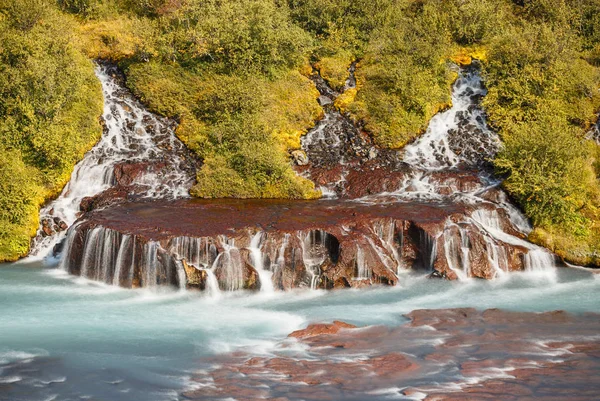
133,135
265,275
458,136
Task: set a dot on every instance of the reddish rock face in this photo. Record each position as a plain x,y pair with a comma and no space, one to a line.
127,173
318,244
320,329
447,354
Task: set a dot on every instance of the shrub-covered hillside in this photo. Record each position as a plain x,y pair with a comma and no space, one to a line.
50,103
234,74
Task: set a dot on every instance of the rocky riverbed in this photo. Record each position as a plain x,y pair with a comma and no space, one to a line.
446,354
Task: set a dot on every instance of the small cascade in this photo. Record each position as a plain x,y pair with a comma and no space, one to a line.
127,242
137,149
212,284
335,140
386,232
199,252
453,250
465,248
107,256
458,137
279,265
594,133
150,255
539,260
362,269
314,253
228,266
265,275
497,257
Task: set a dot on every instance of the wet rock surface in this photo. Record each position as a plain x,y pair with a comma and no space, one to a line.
302,244
447,354
337,147
345,162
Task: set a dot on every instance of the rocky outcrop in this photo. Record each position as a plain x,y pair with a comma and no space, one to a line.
324,244
446,354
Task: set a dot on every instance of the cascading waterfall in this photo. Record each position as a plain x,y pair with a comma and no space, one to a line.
114,258
458,137
453,250
333,136
229,262
497,257
538,260
127,242
386,233
131,135
212,284
264,275
362,269
453,143
314,253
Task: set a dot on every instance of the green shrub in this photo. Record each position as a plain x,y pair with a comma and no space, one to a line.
50,102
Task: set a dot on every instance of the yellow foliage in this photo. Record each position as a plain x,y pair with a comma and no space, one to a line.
464,56
291,109
114,39
343,102
334,69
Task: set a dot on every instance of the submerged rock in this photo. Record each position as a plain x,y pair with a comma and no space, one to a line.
444,354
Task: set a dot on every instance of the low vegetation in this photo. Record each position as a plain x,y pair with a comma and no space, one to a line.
234,74
50,102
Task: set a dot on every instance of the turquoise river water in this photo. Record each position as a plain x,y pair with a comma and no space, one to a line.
67,338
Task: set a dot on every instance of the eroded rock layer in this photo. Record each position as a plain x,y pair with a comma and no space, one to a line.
269,245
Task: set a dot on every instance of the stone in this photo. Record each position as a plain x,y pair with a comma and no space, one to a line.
324,100
299,157
320,329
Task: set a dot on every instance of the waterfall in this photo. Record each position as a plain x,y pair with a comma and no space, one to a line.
265,276
314,253
453,250
465,249
496,257
131,135
121,258
445,144
362,269
386,233
150,255
91,252
108,256
230,264
181,277
212,284
539,260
